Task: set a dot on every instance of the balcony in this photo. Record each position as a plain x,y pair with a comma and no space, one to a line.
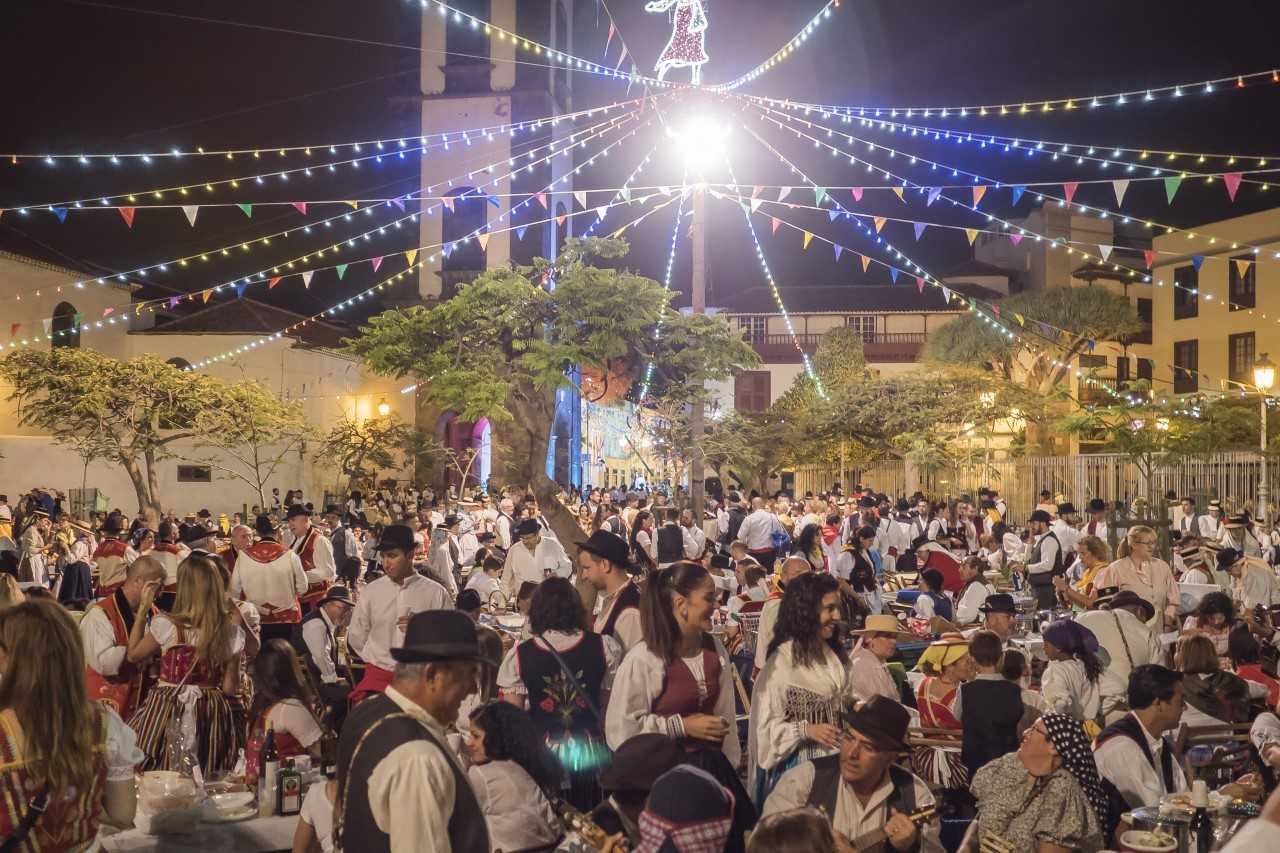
888,348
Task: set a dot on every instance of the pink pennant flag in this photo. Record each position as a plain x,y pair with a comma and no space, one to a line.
1149,256
621,57
448,202
483,240
919,284
1069,190
376,262
609,40
301,207
756,191
776,223
542,200
995,309
107,312
127,213
857,193
1232,180
1015,239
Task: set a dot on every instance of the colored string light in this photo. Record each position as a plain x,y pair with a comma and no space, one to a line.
666,288
786,50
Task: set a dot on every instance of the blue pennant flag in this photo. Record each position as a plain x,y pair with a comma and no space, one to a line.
240,288
520,232
893,274
1017,193
493,200
832,214
60,212
1196,261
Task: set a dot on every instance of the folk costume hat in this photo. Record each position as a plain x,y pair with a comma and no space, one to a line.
1129,598
439,635
528,527
882,721
1067,508
688,811
608,546
297,510
396,537
944,651
882,623
1001,602
337,592
1097,505
264,526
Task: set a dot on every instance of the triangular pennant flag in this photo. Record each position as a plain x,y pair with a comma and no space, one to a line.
856,192
756,190
205,296
1022,321
898,192
832,214
483,240
919,228
995,309
581,196
919,284
108,311
306,278
776,223
240,288
1069,190
247,208
946,293
602,211
808,238
621,57
13,330
355,205
191,210
978,193
411,256
342,270
972,234
1017,193
1196,261
1105,251
866,262
542,200
819,193
838,249
1171,188
561,218
399,202
1121,187
893,274
273,282
60,212
301,207
783,193
174,300
48,325
448,202
1232,180
934,192
608,41
1149,256
376,262
1242,268
625,192
127,214
520,232
879,221
755,204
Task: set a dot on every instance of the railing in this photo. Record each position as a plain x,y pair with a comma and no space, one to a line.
879,348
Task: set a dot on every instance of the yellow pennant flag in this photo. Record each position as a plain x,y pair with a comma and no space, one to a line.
483,240
1242,268
206,294
411,256
355,205
808,238
978,193
898,192
972,234
879,220
866,262
1022,321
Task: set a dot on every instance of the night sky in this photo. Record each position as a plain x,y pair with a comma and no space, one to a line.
87,77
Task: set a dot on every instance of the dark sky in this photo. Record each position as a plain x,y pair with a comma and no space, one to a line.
81,77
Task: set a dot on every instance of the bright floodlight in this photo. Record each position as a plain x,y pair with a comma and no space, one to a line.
701,141
1264,373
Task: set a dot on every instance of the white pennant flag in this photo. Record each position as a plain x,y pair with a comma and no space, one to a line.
665,191
755,204
191,210
306,278
1121,187
783,193
581,196
1105,251
601,211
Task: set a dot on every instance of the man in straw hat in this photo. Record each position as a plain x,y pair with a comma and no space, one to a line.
868,797
877,642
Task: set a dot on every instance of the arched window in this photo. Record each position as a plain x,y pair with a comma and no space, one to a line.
465,260
180,363
64,330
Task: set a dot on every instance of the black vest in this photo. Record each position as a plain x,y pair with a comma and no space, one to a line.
1128,726
990,722
554,704
304,651
373,730
826,788
1058,566
628,598
670,544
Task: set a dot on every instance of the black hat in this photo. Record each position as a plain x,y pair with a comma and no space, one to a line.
486,536
920,540
1236,521
297,510
1097,505
1041,516
1129,598
264,525
1000,602
902,505
882,721
450,520
608,545
204,513
639,762
333,509
398,537
1067,508
189,534
437,635
528,527
337,592
113,525
1228,557
867,502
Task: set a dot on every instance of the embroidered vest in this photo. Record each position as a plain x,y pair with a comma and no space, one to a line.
123,691
177,661
305,548
111,560
555,705
1058,567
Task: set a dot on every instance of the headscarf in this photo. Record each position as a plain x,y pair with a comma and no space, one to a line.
1071,637
1068,738
944,651
688,812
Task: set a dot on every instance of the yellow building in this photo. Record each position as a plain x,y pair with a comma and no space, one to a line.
1217,303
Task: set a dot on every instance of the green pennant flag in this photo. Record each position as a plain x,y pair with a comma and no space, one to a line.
247,208
342,270
625,192
1171,187
819,193
746,207
972,305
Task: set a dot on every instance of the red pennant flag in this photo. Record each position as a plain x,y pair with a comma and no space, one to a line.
1069,190
1149,255
1232,180
127,213
301,206
609,40
776,223
376,262
273,282
560,219
756,191
542,200
13,330
919,284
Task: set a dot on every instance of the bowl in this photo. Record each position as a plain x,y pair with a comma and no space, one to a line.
162,791
1146,841
232,802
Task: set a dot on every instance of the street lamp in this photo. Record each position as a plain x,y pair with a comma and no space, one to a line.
1264,377
384,408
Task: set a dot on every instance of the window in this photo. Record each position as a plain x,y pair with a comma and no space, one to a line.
1144,314
1241,351
195,474
865,325
1092,362
751,391
754,327
1243,293
1144,368
65,328
1122,370
1186,366
467,65
1186,290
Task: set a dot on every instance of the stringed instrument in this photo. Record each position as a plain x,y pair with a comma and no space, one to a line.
872,840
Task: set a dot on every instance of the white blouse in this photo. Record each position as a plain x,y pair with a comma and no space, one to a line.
515,809
1067,690
775,736
165,633
509,680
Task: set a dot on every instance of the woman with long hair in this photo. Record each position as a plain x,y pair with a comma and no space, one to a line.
283,702
1214,618
809,545
1080,591
514,776
678,682
587,518
72,757
1076,682
643,541
199,644
856,569
802,690
1214,697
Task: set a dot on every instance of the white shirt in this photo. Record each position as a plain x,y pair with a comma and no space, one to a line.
524,565
870,677
1067,535
757,530
1120,760
509,679
1115,628
483,584
326,568
975,595
275,585
1048,554
317,812
318,635
515,809
626,628
1068,690
374,631
764,633
1257,585
694,542
165,633
292,717
101,654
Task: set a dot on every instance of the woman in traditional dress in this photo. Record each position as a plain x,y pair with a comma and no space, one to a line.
199,644
679,682
799,696
1092,556
1076,682
946,664
62,753
855,567
283,702
1213,696
643,541
688,43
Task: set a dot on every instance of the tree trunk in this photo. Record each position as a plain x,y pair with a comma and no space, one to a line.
131,467
153,483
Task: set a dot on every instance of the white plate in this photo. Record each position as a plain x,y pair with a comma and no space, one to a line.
212,815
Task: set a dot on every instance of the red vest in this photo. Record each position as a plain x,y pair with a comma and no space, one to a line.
110,558
316,590
680,691
229,557
123,691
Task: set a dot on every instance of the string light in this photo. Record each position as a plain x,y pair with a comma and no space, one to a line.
786,50
666,288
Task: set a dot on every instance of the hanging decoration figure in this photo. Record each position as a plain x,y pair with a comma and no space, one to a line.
688,44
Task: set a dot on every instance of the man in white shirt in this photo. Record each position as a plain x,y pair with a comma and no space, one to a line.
1132,753
974,592
317,644
385,607
533,558
1123,632
695,539
1047,559
271,578
877,642
1064,527
105,632
1254,581
603,559
1097,523
757,531
505,522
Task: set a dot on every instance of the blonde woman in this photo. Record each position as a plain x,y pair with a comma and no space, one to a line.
62,752
199,644
1078,586
1145,574
10,592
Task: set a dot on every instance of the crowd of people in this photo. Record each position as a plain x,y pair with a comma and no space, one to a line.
835,672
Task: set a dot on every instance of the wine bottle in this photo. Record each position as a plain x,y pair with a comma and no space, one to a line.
268,775
1201,823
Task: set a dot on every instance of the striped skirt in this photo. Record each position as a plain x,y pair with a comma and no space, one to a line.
220,728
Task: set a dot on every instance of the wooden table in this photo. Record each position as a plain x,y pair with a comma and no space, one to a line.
259,835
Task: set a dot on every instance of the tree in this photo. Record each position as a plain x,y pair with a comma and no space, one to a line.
131,412
364,447
505,344
253,431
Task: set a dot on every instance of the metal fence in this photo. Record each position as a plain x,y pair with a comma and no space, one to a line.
1229,477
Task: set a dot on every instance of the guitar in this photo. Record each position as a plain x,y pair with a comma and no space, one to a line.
872,840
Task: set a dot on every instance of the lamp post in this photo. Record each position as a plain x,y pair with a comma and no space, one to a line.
1264,377
384,408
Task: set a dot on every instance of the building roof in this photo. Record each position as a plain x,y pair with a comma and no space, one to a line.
73,274
839,299
248,317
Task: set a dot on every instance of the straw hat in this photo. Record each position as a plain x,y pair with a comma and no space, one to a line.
883,623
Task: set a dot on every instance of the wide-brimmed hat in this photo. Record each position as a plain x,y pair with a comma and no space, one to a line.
297,510
1129,598
1096,505
1000,602
608,546
640,761
189,534
528,527
944,651
337,592
882,623
1235,522
396,537
882,721
439,635
1228,557
450,521
1067,508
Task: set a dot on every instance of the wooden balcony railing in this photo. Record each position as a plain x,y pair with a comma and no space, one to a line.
880,348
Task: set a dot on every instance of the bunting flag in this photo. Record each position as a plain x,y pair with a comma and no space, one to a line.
493,200
832,214
13,330
893,274
783,193
919,229
342,270
273,282
934,192
808,238
1044,328
946,293
48,324
776,223
1015,239
127,214
608,41
602,211
972,234
919,285
995,309
1069,190
411,256
879,221
191,210
205,295
399,203
1196,261
621,57
1017,193
1242,268
240,288
1121,187
60,212
625,192
1022,321
483,240
898,191
978,193
376,262
838,249
447,201
1232,180
866,262
755,204
306,278
108,311
301,207
247,208
173,301
1105,251
520,232
581,196
355,205
756,190
1171,188
819,193
1149,256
